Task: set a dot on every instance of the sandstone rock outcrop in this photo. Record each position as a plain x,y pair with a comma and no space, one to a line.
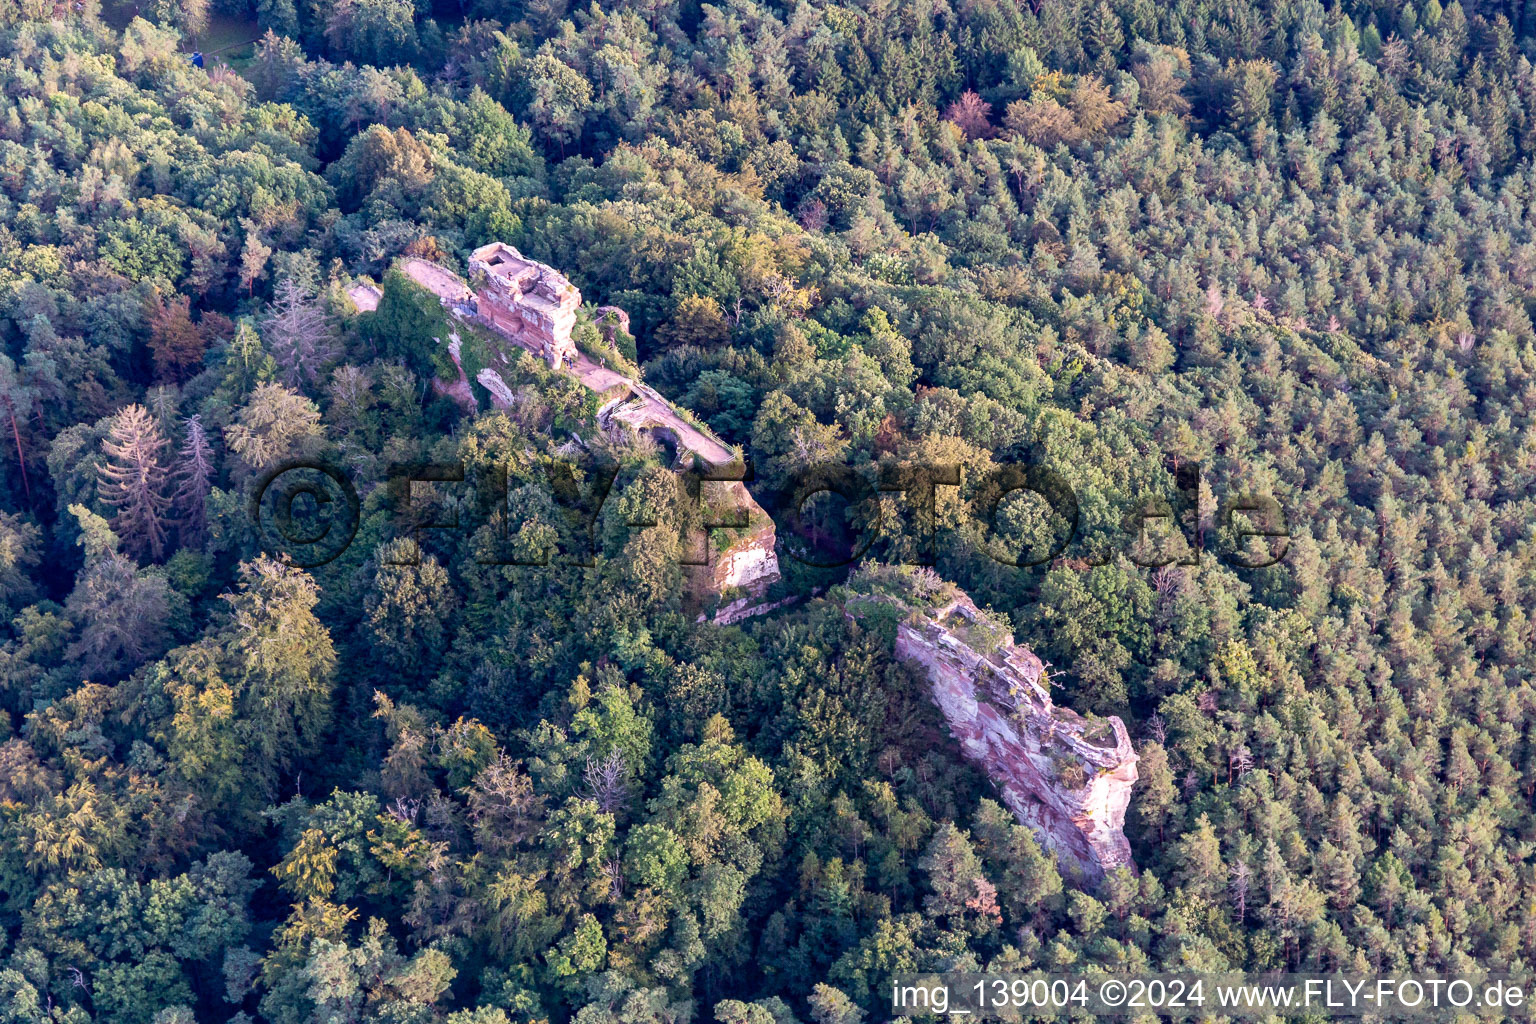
364,296
1066,777
611,320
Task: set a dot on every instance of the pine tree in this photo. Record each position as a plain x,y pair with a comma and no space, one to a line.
954,873
299,333
1198,858
133,480
193,476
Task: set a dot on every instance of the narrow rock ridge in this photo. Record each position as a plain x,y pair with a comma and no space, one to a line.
1067,777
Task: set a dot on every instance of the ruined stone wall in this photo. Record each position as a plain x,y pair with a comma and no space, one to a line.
503,320
541,320
749,563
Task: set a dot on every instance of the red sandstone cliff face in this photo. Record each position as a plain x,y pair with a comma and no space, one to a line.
1066,777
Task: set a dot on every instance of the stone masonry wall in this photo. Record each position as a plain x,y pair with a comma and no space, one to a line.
749,564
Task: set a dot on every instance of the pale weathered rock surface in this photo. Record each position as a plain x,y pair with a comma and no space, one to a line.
364,296
1064,776
501,395
458,390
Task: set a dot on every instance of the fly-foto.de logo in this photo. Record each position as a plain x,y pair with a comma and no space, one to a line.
825,516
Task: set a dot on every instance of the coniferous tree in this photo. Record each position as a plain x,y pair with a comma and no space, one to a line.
121,612
193,477
274,423
17,398
299,333
1115,268
133,479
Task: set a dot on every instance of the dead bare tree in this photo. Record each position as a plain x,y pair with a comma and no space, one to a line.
1239,762
133,480
405,809
194,479
299,332
614,870
1239,880
607,785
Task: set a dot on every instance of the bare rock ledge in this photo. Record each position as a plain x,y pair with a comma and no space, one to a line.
1066,777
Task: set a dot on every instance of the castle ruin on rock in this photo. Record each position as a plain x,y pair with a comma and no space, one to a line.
528,302
1066,777
534,306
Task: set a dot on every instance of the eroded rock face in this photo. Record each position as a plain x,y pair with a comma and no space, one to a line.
457,390
610,319
501,395
1064,776
749,563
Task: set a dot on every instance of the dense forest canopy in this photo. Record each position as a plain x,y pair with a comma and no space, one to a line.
1291,243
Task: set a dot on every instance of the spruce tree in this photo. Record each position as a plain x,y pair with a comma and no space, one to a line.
299,333
133,481
193,478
